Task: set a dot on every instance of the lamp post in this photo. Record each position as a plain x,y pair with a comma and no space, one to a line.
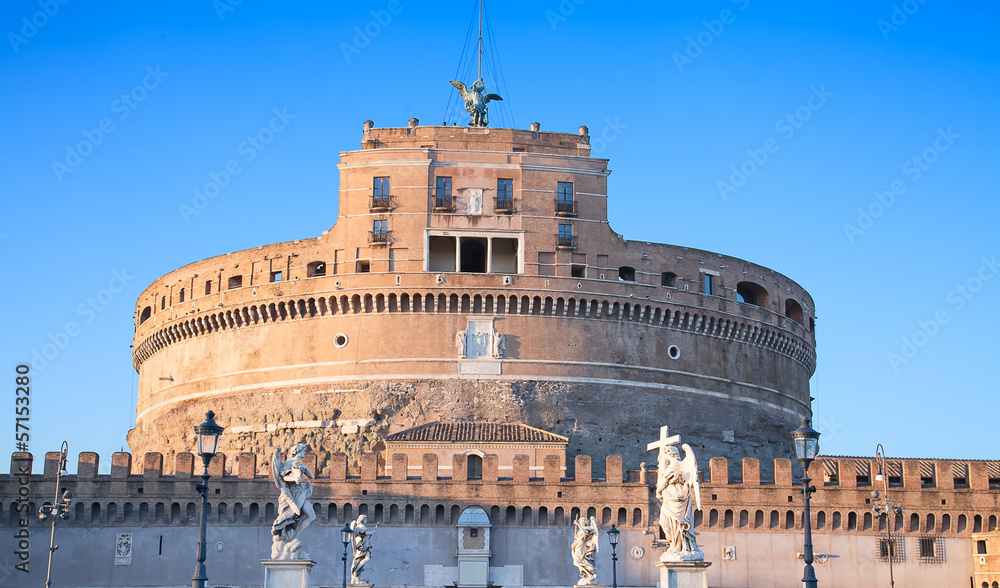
806,441
345,536
56,509
207,435
881,505
613,539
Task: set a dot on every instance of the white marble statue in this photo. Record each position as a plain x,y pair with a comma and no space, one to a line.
462,343
295,511
499,345
361,542
679,494
584,549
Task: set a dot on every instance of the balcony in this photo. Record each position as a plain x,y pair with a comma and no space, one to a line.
380,204
565,241
378,237
444,204
565,208
503,205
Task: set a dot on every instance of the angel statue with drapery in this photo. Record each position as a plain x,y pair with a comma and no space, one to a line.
361,541
679,493
295,511
584,549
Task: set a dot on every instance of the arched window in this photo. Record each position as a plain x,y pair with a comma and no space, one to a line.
750,293
146,313
626,274
793,310
316,269
474,467
668,280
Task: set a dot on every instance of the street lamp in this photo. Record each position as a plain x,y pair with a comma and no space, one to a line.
806,441
883,506
56,509
207,435
345,536
613,539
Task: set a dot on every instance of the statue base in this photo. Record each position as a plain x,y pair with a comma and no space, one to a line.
287,573
353,585
683,574
588,586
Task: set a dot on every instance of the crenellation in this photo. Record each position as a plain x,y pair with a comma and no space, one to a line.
979,476
429,467
369,466
121,464
246,463
911,474
582,470
613,469
491,468
52,460
847,473
783,472
552,472
184,464
459,470
751,471
217,467
338,467
400,467
521,471
20,463
152,465
718,468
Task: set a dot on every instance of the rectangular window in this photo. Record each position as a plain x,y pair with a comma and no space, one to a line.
380,187
380,231
578,271
235,282
981,547
932,549
363,266
894,549
275,276
709,284
564,192
505,188
442,192
379,226
208,287
565,237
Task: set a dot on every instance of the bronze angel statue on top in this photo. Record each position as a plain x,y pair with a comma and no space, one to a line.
295,511
475,102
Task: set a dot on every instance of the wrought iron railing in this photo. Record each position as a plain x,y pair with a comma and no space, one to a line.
566,241
503,204
378,237
566,207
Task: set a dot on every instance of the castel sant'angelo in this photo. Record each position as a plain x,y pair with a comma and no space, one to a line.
472,276
476,360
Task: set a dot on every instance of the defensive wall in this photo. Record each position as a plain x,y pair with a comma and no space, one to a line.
948,507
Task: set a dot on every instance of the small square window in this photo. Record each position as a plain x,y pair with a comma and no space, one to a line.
275,276
363,266
579,271
473,532
235,282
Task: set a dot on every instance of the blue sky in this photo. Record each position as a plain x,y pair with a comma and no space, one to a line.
826,108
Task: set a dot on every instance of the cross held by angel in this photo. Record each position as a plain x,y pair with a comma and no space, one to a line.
476,100
679,493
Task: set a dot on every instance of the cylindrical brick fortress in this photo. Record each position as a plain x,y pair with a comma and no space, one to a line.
446,239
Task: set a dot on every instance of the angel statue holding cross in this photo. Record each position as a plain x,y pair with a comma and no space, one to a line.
679,494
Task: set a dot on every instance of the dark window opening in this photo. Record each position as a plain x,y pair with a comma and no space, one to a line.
668,280
363,266
316,269
235,282
578,271
146,313
961,483
750,293
276,276
626,274
473,256
981,547
473,532
180,295
994,483
793,310
163,302
208,287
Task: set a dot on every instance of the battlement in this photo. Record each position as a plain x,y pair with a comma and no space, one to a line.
532,141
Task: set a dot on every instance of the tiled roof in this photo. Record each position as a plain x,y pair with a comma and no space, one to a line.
477,432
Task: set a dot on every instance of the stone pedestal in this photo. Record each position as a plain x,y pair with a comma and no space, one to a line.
353,585
683,574
287,573
588,586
